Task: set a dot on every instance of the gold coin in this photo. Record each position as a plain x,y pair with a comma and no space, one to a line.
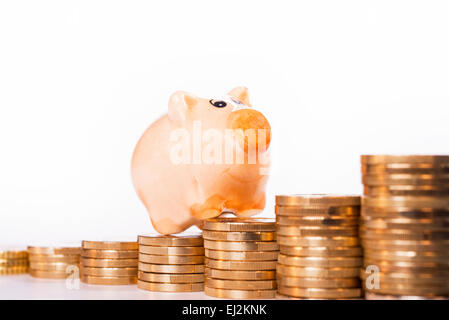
373,296
171,241
330,242
108,272
414,168
52,266
241,245
240,265
54,250
390,255
399,265
240,275
49,274
405,179
320,293
299,231
402,234
171,278
239,236
317,272
110,245
407,201
316,221
412,279
47,258
172,251
414,245
404,212
318,211
171,268
149,258
282,297
170,287
409,159
409,290
240,284
240,224
13,270
239,294
321,262
317,199
12,263
405,223
321,251
13,254
242,255
406,190
114,281
109,254
319,282
108,263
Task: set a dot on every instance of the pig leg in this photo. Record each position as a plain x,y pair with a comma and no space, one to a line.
211,208
247,210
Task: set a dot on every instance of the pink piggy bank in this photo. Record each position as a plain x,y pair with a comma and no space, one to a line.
202,158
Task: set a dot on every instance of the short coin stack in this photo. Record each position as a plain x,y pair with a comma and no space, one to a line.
13,262
405,219
109,262
320,253
171,263
241,257
53,262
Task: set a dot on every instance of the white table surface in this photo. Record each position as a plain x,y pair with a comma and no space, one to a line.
24,286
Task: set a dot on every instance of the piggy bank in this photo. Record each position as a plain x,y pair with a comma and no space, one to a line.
204,157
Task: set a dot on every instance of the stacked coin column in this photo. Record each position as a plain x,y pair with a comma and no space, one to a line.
109,262
241,257
13,262
405,219
320,253
53,262
171,263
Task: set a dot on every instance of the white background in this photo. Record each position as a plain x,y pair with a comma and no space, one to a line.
81,80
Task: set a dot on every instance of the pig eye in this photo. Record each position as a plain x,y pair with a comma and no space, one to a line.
218,103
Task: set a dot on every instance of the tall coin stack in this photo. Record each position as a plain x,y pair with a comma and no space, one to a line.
241,256
109,262
405,219
171,263
320,253
13,262
53,262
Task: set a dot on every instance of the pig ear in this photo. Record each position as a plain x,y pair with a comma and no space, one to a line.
178,106
241,94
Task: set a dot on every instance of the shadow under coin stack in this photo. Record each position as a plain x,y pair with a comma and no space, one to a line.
53,262
241,256
109,262
13,262
171,263
320,253
405,219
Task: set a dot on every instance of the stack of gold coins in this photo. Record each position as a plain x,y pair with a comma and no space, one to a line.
241,256
405,219
13,261
53,262
171,263
109,262
320,253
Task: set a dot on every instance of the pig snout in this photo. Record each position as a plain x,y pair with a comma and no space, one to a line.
255,128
